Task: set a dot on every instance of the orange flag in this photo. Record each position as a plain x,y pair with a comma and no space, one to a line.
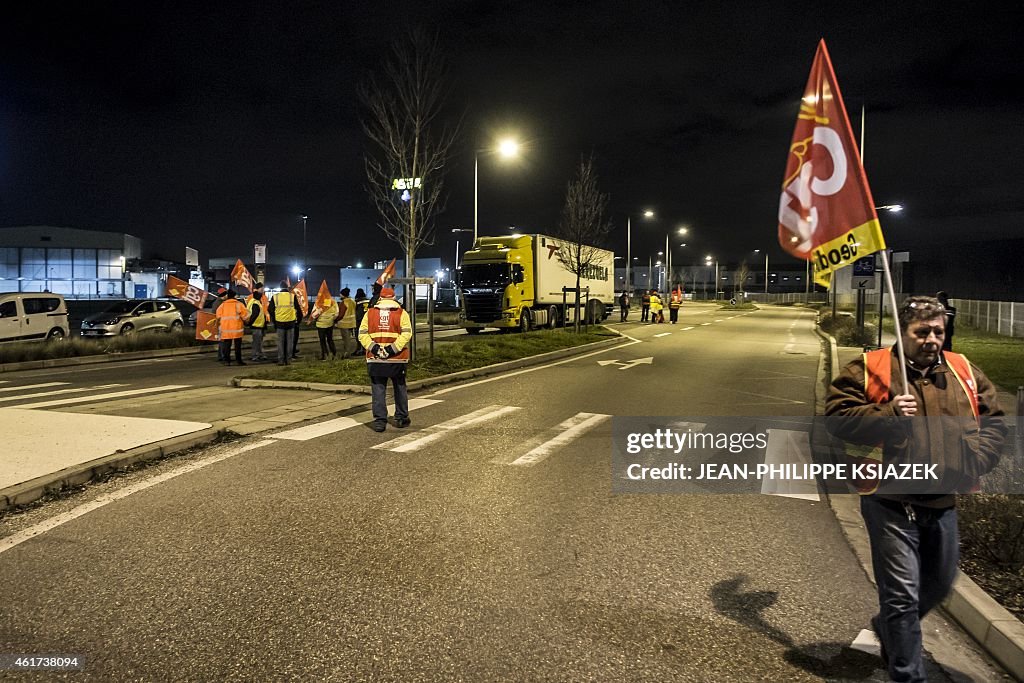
387,274
299,290
826,212
322,297
180,289
207,328
240,275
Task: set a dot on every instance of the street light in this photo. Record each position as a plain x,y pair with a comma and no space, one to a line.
895,208
458,230
707,262
508,148
304,261
648,214
758,251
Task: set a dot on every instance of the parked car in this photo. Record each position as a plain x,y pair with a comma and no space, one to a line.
131,316
28,316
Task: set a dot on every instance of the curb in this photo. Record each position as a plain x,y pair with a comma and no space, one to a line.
34,489
419,384
993,627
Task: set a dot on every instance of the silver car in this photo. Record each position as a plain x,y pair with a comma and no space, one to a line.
131,316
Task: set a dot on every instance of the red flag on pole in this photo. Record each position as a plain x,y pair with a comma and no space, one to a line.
240,275
207,326
387,274
826,213
322,297
180,289
299,290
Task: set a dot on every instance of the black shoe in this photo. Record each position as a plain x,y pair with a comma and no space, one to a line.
402,424
242,362
282,362
379,426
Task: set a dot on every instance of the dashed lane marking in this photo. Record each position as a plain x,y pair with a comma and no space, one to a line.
663,334
341,423
417,440
687,328
566,432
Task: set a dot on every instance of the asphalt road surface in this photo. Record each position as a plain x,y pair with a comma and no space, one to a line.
483,543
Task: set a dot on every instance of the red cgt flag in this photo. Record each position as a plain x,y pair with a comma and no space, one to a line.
299,290
240,275
180,289
826,213
387,274
322,297
207,327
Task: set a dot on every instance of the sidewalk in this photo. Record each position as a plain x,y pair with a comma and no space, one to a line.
992,627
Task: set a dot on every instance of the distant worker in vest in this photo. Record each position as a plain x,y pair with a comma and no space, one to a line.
912,524
675,301
285,313
231,318
385,333
257,305
656,315
645,306
362,306
947,344
623,307
347,322
222,294
325,329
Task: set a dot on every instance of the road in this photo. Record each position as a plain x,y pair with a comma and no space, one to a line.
484,543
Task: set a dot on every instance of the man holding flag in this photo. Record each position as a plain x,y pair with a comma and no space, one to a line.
827,216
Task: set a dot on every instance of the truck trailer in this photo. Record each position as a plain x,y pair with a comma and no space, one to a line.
517,282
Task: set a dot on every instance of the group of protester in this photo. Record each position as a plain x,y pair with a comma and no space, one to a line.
651,307
284,311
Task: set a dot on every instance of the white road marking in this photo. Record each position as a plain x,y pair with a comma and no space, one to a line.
571,429
54,522
719,320
35,386
57,392
412,442
535,368
340,423
705,323
103,397
781,399
687,328
663,334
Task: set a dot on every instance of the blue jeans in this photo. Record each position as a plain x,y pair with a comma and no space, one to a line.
378,389
284,344
915,563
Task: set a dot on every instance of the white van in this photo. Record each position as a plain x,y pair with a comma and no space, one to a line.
28,316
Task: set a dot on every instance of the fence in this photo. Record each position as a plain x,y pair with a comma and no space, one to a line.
787,297
1001,317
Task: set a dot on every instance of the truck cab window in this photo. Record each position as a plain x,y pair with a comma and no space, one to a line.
517,273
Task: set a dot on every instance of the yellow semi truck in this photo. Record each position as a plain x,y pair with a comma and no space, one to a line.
517,282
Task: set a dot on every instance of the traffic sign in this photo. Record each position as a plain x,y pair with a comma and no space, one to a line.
867,283
864,266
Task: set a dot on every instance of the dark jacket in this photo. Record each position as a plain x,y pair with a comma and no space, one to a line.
963,447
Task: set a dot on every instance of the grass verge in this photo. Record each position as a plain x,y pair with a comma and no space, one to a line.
465,354
1002,358
74,347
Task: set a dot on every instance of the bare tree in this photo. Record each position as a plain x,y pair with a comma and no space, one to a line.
409,144
583,226
739,278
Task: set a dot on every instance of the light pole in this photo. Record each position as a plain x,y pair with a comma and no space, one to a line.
707,262
508,149
683,230
458,230
648,214
304,264
758,251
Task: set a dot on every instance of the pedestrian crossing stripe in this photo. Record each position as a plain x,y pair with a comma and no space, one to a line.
23,387
424,437
567,431
103,397
338,424
20,397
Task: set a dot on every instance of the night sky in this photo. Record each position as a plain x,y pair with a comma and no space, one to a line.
217,125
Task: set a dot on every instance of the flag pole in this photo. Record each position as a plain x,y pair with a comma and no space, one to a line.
899,337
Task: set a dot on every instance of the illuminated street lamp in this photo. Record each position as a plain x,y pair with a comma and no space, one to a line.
508,148
758,251
648,214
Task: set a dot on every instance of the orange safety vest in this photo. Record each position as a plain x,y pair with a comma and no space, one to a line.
384,325
877,383
231,316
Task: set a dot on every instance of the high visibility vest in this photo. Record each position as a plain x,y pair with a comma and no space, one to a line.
877,383
328,315
231,317
655,303
676,300
348,319
284,307
384,325
253,305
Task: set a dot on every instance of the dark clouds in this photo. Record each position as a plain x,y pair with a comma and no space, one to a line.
218,124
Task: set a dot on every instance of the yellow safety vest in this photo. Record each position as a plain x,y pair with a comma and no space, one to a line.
284,307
